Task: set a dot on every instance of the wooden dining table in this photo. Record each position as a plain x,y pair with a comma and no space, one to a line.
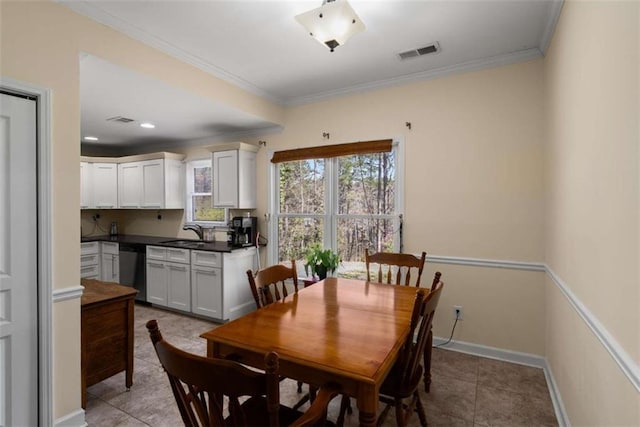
338,330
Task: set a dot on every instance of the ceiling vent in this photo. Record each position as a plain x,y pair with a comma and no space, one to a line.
120,119
413,53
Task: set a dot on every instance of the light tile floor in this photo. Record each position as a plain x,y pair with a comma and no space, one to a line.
466,390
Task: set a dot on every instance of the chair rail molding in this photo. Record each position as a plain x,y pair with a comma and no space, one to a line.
625,362
70,292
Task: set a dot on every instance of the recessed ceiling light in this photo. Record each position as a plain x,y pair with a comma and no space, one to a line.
147,125
90,138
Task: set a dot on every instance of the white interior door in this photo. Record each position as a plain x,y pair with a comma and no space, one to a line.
18,263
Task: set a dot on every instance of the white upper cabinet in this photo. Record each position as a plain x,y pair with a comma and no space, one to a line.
85,185
234,178
129,185
98,185
151,184
105,185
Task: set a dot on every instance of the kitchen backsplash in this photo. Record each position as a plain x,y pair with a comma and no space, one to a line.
143,222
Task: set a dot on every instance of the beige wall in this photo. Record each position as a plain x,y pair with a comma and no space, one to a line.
40,44
474,187
474,168
593,193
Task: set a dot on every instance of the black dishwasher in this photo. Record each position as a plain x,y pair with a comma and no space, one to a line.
133,268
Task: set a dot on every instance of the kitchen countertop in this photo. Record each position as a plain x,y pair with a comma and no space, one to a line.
156,241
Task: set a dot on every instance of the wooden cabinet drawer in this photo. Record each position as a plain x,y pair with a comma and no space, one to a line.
206,259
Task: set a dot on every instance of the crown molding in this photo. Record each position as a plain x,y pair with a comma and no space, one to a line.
552,21
464,67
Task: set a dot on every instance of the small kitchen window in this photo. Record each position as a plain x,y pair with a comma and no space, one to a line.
199,189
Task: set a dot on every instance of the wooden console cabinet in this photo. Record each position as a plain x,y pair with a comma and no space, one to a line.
107,332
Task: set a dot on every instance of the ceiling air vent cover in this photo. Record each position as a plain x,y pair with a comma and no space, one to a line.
120,119
413,53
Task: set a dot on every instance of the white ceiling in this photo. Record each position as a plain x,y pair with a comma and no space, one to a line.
258,45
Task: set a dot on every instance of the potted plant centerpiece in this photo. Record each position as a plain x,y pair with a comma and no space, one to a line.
321,261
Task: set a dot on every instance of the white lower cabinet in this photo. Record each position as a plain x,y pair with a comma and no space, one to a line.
156,283
206,290
237,299
169,282
209,284
90,260
178,286
110,265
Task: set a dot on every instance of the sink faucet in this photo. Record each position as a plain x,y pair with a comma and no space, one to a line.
195,228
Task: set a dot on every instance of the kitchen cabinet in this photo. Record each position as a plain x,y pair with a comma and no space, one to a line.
98,185
129,185
110,262
234,179
206,284
151,184
90,260
104,178
85,185
169,277
219,285
237,299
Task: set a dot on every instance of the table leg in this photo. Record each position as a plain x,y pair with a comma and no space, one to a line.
130,319
213,349
367,406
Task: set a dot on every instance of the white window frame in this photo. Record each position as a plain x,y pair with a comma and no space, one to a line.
189,167
331,203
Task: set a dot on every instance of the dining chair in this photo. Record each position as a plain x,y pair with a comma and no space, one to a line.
200,384
393,267
400,388
268,285
428,348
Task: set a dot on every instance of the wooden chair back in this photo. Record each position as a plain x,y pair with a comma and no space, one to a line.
436,280
200,383
424,310
387,262
268,285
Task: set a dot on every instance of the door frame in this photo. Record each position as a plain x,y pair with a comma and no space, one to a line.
44,232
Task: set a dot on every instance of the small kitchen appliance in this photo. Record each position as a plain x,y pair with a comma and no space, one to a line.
243,231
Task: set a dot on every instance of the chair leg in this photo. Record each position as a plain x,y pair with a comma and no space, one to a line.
345,405
401,418
428,348
300,386
420,409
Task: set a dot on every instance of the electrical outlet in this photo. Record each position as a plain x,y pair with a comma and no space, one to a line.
457,312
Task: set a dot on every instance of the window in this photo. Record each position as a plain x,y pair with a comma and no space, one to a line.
199,201
348,203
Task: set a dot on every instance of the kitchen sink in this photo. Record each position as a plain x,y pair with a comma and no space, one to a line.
185,243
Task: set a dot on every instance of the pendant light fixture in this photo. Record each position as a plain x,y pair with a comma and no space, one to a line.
332,24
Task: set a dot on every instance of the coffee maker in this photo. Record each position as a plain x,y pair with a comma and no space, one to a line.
243,231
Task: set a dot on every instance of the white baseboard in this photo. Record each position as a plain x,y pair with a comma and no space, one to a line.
74,419
513,357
